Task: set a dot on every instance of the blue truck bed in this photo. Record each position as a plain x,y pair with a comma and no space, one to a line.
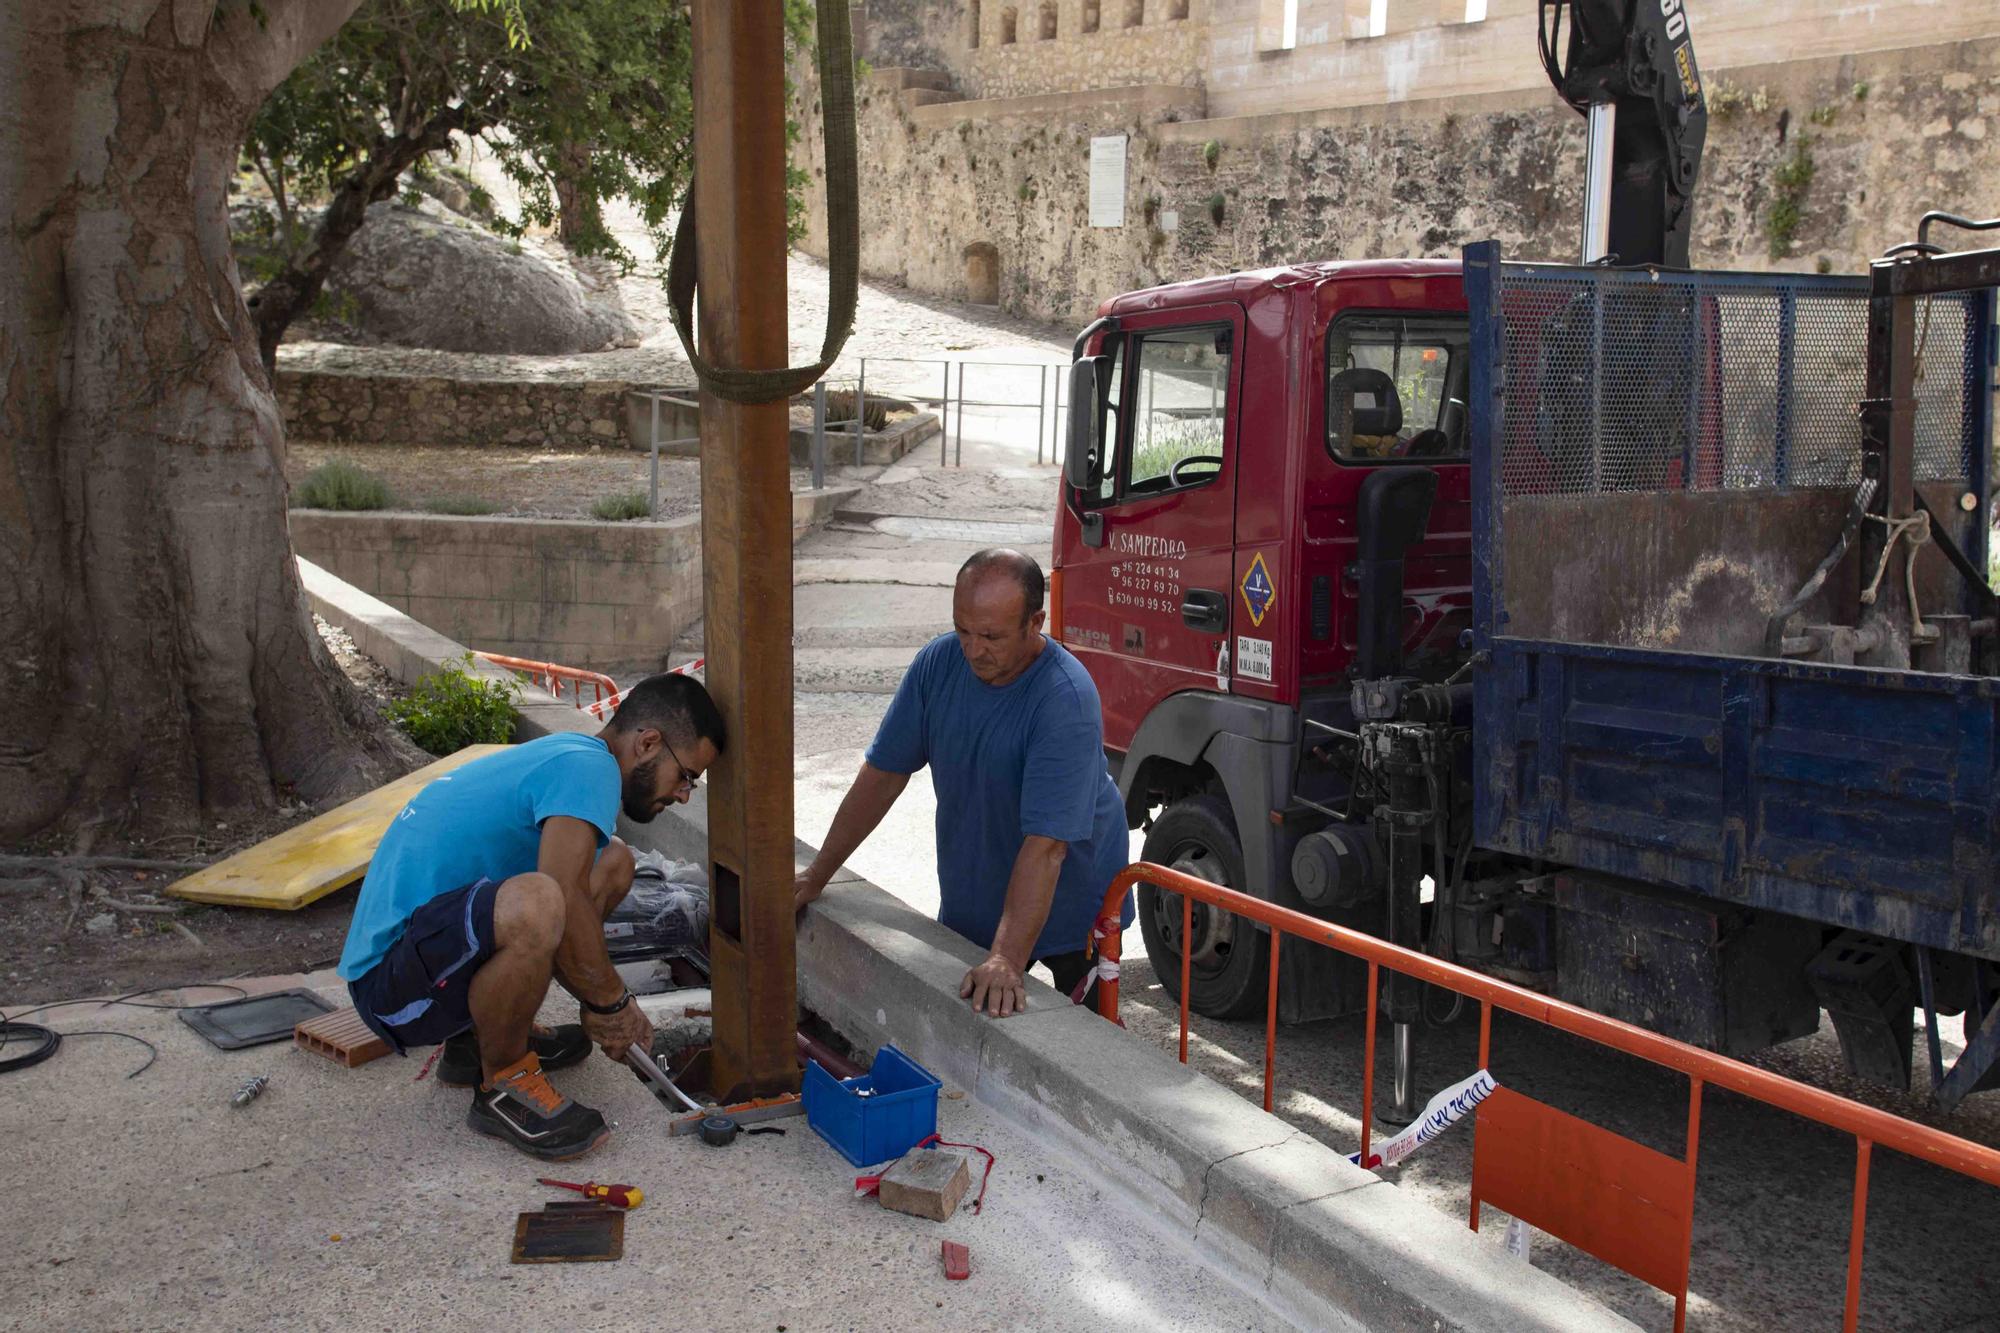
1639,511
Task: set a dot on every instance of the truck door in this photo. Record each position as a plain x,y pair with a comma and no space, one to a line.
1149,609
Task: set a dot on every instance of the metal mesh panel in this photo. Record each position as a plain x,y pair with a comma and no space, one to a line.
1639,382
1946,365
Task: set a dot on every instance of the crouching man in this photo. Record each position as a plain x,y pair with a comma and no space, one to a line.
497,877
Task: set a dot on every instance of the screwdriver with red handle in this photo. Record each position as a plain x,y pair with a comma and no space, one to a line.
618,1196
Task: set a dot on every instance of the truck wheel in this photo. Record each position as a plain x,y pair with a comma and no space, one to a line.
1229,964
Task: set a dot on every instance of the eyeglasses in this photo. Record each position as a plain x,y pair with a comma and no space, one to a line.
688,780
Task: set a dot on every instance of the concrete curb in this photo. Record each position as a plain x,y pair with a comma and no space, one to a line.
409,650
1330,1245
1319,1235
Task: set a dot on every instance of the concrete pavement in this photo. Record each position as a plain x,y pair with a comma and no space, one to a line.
357,1199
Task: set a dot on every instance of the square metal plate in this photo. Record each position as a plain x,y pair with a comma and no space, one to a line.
254,1020
581,1236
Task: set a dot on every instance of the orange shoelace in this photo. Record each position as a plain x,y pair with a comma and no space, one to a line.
526,1081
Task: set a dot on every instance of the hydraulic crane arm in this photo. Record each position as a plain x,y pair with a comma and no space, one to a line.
1630,69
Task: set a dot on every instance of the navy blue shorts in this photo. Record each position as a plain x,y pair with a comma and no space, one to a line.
421,992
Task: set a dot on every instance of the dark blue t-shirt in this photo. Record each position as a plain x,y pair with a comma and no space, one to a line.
1007,762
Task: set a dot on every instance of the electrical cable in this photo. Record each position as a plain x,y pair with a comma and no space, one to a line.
152,1051
129,1002
48,1040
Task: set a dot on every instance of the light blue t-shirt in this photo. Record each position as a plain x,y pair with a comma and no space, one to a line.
480,821
1007,762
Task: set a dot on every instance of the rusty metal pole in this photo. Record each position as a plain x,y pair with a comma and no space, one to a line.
746,520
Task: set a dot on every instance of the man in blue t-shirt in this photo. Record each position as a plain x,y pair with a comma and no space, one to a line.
1030,830
497,877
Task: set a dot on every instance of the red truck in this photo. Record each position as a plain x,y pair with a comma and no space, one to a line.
1211,581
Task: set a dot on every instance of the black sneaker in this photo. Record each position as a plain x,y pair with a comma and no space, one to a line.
524,1109
458,1064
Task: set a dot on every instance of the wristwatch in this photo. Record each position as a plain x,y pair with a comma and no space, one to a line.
623,1000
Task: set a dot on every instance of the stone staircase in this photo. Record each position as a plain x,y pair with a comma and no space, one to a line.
917,87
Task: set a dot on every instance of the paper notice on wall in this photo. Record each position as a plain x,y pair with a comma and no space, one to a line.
1107,181
1440,1113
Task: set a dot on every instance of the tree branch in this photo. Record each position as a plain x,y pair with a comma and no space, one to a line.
296,286
252,53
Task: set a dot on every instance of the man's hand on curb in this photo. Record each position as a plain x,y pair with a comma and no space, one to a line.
996,986
805,888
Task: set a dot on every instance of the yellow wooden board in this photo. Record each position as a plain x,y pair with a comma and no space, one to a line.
327,852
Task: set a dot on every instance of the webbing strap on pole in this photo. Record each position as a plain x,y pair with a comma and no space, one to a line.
843,234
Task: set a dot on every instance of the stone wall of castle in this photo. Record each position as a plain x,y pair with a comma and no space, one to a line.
1851,149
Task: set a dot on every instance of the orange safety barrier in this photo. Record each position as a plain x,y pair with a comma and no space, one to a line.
552,676
1628,1204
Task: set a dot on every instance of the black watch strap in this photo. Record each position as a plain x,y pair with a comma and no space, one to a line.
623,1000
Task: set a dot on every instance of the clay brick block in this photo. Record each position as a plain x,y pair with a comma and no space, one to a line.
341,1037
957,1261
926,1183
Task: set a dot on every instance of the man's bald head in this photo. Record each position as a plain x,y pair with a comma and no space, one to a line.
996,562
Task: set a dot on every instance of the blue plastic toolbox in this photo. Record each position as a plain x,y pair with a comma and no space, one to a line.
878,1116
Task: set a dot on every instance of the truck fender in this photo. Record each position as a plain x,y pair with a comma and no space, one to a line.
1249,744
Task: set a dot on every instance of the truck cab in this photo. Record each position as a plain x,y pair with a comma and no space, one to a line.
1209,568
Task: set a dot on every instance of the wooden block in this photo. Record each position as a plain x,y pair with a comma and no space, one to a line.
341,1037
957,1261
926,1183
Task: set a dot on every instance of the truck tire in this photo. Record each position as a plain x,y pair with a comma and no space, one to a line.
1229,972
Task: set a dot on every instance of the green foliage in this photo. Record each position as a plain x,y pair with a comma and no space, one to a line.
1789,184
451,709
1860,92
341,485
1825,115
465,506
583,100
1217,206
1726,99
1165,440
622,506
1211,153
337,307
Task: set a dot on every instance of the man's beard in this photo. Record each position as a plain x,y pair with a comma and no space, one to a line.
639,792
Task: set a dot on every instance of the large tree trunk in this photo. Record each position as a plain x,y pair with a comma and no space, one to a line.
160,665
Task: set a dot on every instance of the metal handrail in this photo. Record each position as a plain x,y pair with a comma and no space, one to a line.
1868,1125
552,675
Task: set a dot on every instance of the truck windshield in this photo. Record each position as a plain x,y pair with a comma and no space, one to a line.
1396,387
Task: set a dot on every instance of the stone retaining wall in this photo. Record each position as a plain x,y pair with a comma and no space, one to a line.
598,595
410,409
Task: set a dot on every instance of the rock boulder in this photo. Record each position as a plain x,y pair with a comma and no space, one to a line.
424,277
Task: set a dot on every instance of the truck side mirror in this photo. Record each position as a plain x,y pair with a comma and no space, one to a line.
1082,466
